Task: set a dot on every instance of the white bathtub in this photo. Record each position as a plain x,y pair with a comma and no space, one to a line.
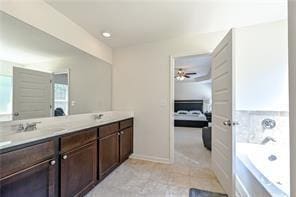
272,175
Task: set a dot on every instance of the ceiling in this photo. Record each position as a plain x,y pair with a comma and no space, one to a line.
199,64
133,22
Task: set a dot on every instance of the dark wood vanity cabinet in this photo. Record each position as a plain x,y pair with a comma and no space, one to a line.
67,165
126,139
126,144
115,145
108,154
78,161
29,171
38,180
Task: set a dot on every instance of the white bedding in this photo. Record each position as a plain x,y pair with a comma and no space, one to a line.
191,117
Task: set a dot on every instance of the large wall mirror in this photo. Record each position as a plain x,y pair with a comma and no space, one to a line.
41,76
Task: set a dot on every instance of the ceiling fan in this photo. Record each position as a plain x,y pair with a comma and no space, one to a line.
181,74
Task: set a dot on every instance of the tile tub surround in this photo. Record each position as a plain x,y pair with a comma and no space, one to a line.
250,133
250,129
54,126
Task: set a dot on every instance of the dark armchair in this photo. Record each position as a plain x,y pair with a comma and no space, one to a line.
207,137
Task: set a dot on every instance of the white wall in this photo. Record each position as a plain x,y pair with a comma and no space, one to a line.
141,83
193,91
292,62
262,67
42,16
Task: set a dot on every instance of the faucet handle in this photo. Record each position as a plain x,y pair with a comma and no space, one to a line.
20,126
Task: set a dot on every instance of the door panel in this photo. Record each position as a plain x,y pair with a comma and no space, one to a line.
108,154
32,94
222,135
35,181
126,141
78,170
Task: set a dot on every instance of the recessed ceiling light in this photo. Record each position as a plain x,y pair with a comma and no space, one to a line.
106,34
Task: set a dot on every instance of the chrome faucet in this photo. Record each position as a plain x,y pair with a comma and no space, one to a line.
28,127
31,126
268,139
98,116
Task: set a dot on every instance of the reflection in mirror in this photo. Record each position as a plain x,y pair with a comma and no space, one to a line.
27,93
35,79
61,94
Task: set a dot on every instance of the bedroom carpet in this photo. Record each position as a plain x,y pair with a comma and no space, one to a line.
145,178
189,147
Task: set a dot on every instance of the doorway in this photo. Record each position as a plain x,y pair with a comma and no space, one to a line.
61,93
192,110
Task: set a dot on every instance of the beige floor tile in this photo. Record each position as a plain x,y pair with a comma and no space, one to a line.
144,178
206,184
179,180
202,173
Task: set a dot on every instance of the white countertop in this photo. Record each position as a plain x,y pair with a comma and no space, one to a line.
55,126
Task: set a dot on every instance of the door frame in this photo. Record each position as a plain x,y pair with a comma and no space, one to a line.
172,97
292,89
65,71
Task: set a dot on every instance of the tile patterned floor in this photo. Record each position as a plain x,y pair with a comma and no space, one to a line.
144,178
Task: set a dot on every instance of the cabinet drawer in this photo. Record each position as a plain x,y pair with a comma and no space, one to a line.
108,129
17,160
126,123
78,139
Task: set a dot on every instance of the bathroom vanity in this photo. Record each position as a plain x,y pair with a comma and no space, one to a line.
51,142
66,164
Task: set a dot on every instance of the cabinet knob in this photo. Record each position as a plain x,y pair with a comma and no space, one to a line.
65,156
52,162
122,132
118,133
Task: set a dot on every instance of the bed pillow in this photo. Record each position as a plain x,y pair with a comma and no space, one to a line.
195,112
182,112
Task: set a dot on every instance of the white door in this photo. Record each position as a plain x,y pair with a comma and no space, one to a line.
222,134
32,92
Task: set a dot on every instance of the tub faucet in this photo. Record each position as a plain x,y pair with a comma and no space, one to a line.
268,139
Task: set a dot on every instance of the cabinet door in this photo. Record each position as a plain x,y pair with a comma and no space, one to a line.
79,170
126,143
37,180
108,154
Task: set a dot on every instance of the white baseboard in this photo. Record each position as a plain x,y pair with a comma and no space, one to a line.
151,158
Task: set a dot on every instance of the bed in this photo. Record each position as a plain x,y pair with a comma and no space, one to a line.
189,113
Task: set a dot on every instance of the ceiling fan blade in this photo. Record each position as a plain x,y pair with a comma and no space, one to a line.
190,73
187,76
